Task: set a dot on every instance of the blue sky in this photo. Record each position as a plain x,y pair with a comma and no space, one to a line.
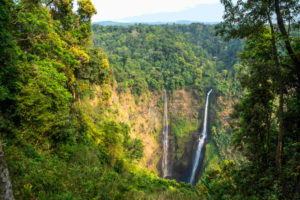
168,10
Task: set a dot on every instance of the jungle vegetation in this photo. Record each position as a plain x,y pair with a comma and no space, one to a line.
57,147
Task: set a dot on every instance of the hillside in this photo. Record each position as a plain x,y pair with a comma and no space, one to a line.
60,134
187,60
165,111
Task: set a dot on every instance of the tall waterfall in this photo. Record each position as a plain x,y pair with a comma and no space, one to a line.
165,167
201,142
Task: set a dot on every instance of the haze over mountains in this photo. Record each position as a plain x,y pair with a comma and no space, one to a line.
206,13
116,23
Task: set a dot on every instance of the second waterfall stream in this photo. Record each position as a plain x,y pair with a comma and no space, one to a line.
201,142
165,167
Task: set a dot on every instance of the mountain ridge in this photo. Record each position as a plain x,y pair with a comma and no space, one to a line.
199,13
120,23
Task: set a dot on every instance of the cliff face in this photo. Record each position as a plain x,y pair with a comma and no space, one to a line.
5,184
143,115
185,121
185,110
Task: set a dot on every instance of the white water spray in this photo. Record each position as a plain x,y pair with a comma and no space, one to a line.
165,167
201,142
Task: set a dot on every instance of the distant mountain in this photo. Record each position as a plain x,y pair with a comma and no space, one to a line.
211,13
112,23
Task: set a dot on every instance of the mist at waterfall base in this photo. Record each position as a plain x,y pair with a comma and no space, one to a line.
199,154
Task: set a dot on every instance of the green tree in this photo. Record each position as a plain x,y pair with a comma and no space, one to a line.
8,71
257,130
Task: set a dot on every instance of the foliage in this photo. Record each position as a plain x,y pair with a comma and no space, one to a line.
263,128
168,56
181,127
218,183
57,144
8,72
60,146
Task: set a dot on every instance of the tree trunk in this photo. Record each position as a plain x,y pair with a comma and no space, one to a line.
5,185
285,36
280,112
280,132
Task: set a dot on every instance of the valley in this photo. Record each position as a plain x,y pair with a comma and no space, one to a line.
186,70
151,111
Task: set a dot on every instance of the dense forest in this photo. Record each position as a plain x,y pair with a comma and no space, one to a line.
175,57
55,148
169,56
63,80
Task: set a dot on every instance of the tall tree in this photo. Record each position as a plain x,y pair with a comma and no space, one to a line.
248,19
8,67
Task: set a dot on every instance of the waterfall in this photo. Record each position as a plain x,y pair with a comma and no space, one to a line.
165,167
201,142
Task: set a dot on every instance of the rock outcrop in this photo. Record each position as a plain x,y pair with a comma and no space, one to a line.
5,184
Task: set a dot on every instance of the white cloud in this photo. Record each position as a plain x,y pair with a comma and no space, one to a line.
117,9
